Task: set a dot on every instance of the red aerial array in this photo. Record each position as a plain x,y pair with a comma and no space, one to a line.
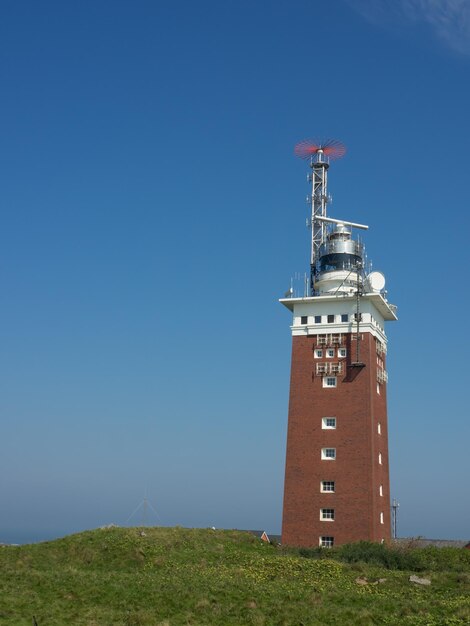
331,148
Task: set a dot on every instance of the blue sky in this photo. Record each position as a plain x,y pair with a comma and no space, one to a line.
152,213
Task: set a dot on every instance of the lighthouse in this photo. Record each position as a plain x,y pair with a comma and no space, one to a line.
336,486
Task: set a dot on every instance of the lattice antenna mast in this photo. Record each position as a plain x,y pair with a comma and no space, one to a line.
319,153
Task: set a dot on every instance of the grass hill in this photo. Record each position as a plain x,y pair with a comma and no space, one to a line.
176,576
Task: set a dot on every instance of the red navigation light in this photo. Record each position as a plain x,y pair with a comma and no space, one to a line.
331,148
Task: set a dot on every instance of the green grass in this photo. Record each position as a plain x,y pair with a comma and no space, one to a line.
175,576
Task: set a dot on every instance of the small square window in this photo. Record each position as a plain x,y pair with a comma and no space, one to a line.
330,353
318,354
329,381
327,542
344,317
303,319
331,319
317,319
342,353
328,422
328,454
327,514
327,486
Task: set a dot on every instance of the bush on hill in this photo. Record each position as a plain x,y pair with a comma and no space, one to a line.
431,558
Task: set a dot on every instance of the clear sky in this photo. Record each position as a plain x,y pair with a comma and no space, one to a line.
153,212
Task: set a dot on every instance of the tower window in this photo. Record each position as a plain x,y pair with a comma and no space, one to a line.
317,319
329,381
379,429
381,491
331,319
381,518
327,514
344,317
380,458
327,542
327,486
318,354
328,454
303,319
328,422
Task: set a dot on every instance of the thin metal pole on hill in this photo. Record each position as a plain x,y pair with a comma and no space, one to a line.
395,506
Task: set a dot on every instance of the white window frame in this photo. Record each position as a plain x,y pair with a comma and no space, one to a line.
330,353
381,518
342,353
326,541
324,423
328,454
379,429
330,382
335,368
327,482
380,458
381,490
318,353
327,515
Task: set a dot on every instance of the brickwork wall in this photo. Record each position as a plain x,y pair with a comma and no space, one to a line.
358,409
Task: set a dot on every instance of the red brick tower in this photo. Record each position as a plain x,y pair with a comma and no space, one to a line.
337,476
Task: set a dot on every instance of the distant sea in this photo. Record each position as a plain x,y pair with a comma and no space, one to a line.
28,536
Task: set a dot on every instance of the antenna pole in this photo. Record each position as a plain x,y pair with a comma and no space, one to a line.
145,505
358,310
395,506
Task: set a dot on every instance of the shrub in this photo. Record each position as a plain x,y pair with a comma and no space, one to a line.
378,554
